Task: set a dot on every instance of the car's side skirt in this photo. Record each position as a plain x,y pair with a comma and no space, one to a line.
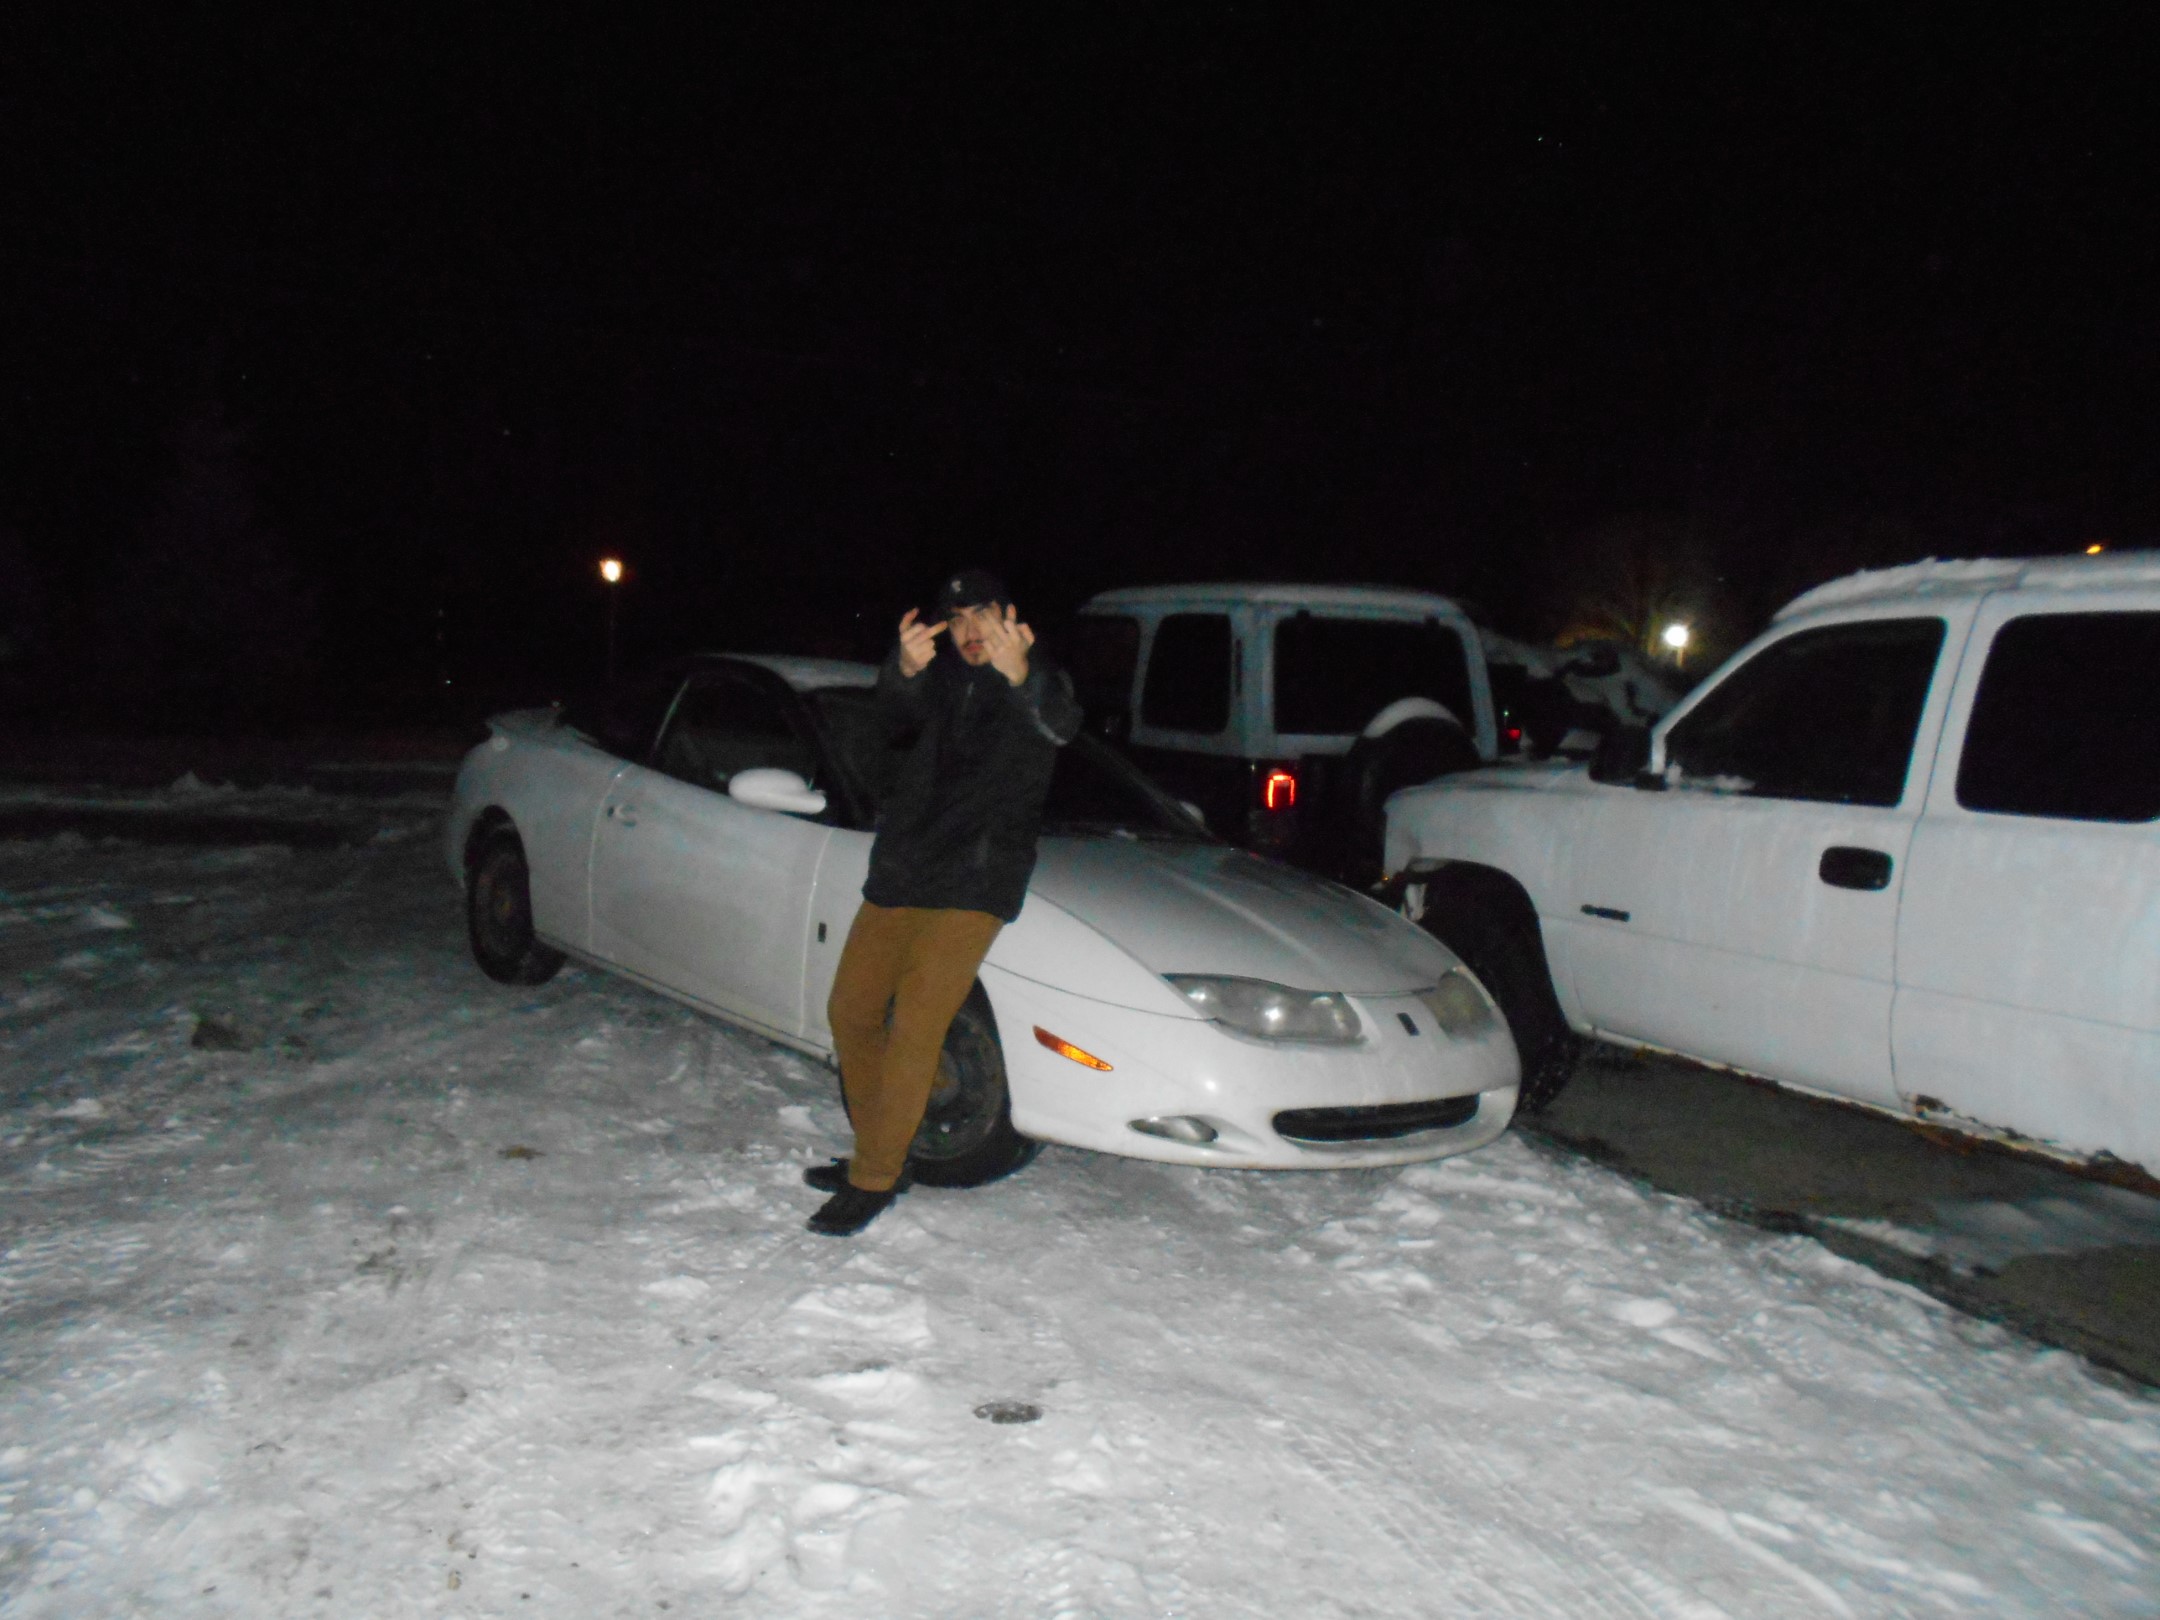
722,1015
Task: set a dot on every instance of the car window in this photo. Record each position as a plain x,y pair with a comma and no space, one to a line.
2066,722
1333,675
1105,650
725,724
1827,714
1093,790
862,745
623,718
1188,675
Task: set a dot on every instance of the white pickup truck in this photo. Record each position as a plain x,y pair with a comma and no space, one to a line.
1903,848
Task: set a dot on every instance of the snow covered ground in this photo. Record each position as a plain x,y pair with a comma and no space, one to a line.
337,1280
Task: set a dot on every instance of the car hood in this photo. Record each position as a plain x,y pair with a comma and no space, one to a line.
1207,908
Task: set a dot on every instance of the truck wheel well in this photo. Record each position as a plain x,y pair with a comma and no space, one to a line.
1487,919
1488,888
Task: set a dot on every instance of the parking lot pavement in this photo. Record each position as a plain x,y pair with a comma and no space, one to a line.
2070,1258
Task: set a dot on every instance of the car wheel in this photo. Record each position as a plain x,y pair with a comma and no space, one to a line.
498,916
1417,750
967,1137
1490,925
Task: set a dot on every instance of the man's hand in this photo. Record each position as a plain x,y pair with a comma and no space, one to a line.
1008,641
918,644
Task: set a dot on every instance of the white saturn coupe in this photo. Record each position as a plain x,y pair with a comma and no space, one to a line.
706,832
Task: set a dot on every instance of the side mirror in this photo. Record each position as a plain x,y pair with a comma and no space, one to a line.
767,788
1623,754
1193,810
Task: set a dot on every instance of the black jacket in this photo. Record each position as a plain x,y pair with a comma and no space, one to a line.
958,824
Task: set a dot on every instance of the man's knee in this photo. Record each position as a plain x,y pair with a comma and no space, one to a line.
857,1009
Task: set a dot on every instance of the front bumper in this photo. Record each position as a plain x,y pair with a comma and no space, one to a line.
1167,1067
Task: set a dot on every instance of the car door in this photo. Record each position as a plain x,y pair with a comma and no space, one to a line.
1742,908
2029,947
598,737
696,892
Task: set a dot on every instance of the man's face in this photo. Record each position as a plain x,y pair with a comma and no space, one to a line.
970,626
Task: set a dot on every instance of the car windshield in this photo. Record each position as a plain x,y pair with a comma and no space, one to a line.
1092,790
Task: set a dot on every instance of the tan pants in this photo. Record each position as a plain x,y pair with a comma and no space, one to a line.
921,964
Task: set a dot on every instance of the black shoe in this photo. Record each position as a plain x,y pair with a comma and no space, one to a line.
830,1178
848,1211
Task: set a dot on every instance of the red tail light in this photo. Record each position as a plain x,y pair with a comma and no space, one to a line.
1278,790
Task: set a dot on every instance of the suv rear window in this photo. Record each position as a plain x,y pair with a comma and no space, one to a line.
2066,722
1105,648
1334,675
1188,674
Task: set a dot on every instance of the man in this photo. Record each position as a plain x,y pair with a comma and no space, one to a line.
955,847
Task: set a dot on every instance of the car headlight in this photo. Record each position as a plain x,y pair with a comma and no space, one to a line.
1270,1012
1461,1005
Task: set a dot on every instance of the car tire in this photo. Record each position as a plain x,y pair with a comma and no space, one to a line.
1491,926
1415,751
498,916
967,1136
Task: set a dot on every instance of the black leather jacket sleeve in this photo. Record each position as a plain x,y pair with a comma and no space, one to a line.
1047,696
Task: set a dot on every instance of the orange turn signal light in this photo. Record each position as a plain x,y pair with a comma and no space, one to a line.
1066,1049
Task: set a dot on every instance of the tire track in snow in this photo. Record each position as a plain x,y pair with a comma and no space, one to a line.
1377,1479
1551,1564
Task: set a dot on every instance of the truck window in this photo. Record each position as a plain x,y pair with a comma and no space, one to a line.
1188,674
1333,675
2066,722
1827,715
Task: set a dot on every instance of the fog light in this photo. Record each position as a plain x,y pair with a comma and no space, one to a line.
1177,1128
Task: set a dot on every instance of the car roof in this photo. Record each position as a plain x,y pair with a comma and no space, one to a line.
1283,594
802,673
1940,578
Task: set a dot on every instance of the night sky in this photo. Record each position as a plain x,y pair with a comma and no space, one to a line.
382,332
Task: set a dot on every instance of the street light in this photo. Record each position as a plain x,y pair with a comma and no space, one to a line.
611,571
1676,637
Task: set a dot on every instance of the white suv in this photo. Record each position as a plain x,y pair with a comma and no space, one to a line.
1903,848
1287,713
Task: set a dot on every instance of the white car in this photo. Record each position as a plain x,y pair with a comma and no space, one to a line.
1903,848
706,833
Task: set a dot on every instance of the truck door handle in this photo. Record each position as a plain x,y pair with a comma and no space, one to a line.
1845,867
627,815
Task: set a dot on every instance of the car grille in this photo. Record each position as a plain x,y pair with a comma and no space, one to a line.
1374,1124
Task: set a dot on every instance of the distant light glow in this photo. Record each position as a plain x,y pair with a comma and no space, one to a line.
611,569
1676,637
2094,549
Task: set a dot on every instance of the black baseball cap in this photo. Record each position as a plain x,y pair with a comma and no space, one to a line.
970,587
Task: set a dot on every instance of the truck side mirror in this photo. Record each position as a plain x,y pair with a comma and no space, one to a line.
1623,754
